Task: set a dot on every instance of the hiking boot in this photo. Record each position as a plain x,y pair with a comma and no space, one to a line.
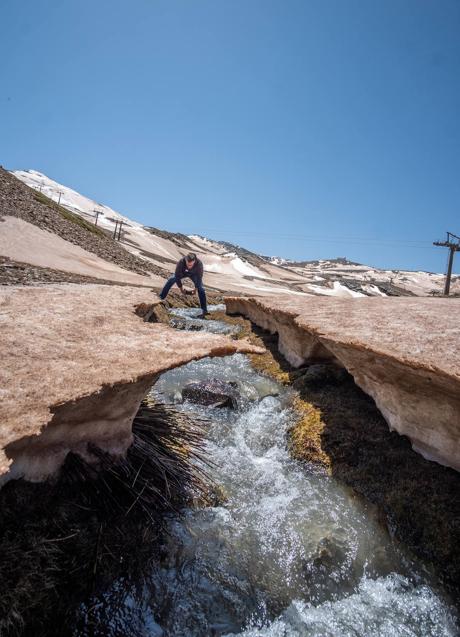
203,315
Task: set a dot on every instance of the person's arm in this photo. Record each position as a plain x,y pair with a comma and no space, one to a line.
179,273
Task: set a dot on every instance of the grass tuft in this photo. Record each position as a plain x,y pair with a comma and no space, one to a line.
64,542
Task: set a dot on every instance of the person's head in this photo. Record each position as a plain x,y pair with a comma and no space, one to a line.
190,259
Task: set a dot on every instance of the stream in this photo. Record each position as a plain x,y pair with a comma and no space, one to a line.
289,551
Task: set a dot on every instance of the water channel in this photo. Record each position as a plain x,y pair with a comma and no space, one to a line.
289,551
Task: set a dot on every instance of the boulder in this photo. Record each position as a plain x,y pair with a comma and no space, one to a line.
152,312
212,393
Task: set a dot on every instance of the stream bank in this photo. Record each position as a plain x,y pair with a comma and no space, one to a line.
340,429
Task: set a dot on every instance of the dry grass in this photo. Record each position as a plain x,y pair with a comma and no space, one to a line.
305,437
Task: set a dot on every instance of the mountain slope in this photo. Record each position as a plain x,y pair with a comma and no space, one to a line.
228,267
37,209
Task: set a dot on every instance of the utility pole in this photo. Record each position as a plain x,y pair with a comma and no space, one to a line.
98,212
59,200
453,243
119,223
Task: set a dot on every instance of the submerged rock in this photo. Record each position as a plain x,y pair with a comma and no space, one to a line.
331,553
180,323
332,567
212,393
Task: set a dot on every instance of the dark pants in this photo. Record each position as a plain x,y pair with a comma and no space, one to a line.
198,284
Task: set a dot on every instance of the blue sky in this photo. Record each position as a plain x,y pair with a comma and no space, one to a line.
306,129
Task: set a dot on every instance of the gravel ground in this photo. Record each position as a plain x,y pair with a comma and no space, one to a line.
17,273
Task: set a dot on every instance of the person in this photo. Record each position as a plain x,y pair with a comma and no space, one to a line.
188,267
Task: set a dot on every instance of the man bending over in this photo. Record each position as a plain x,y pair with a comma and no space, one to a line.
192,268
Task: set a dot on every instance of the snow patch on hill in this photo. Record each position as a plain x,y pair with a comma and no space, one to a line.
228,266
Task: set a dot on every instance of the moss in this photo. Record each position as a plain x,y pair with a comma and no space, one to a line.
70,216
306,433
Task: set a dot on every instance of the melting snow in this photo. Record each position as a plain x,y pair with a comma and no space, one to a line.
338,290
244,268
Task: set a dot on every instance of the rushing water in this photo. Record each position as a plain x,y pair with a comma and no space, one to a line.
289,552
187,318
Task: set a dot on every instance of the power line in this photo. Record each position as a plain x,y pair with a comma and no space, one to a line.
306,238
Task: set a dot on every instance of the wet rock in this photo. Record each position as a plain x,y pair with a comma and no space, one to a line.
180,323
152,312
212,393
189,319
160,314
297,373
320,374
330,567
